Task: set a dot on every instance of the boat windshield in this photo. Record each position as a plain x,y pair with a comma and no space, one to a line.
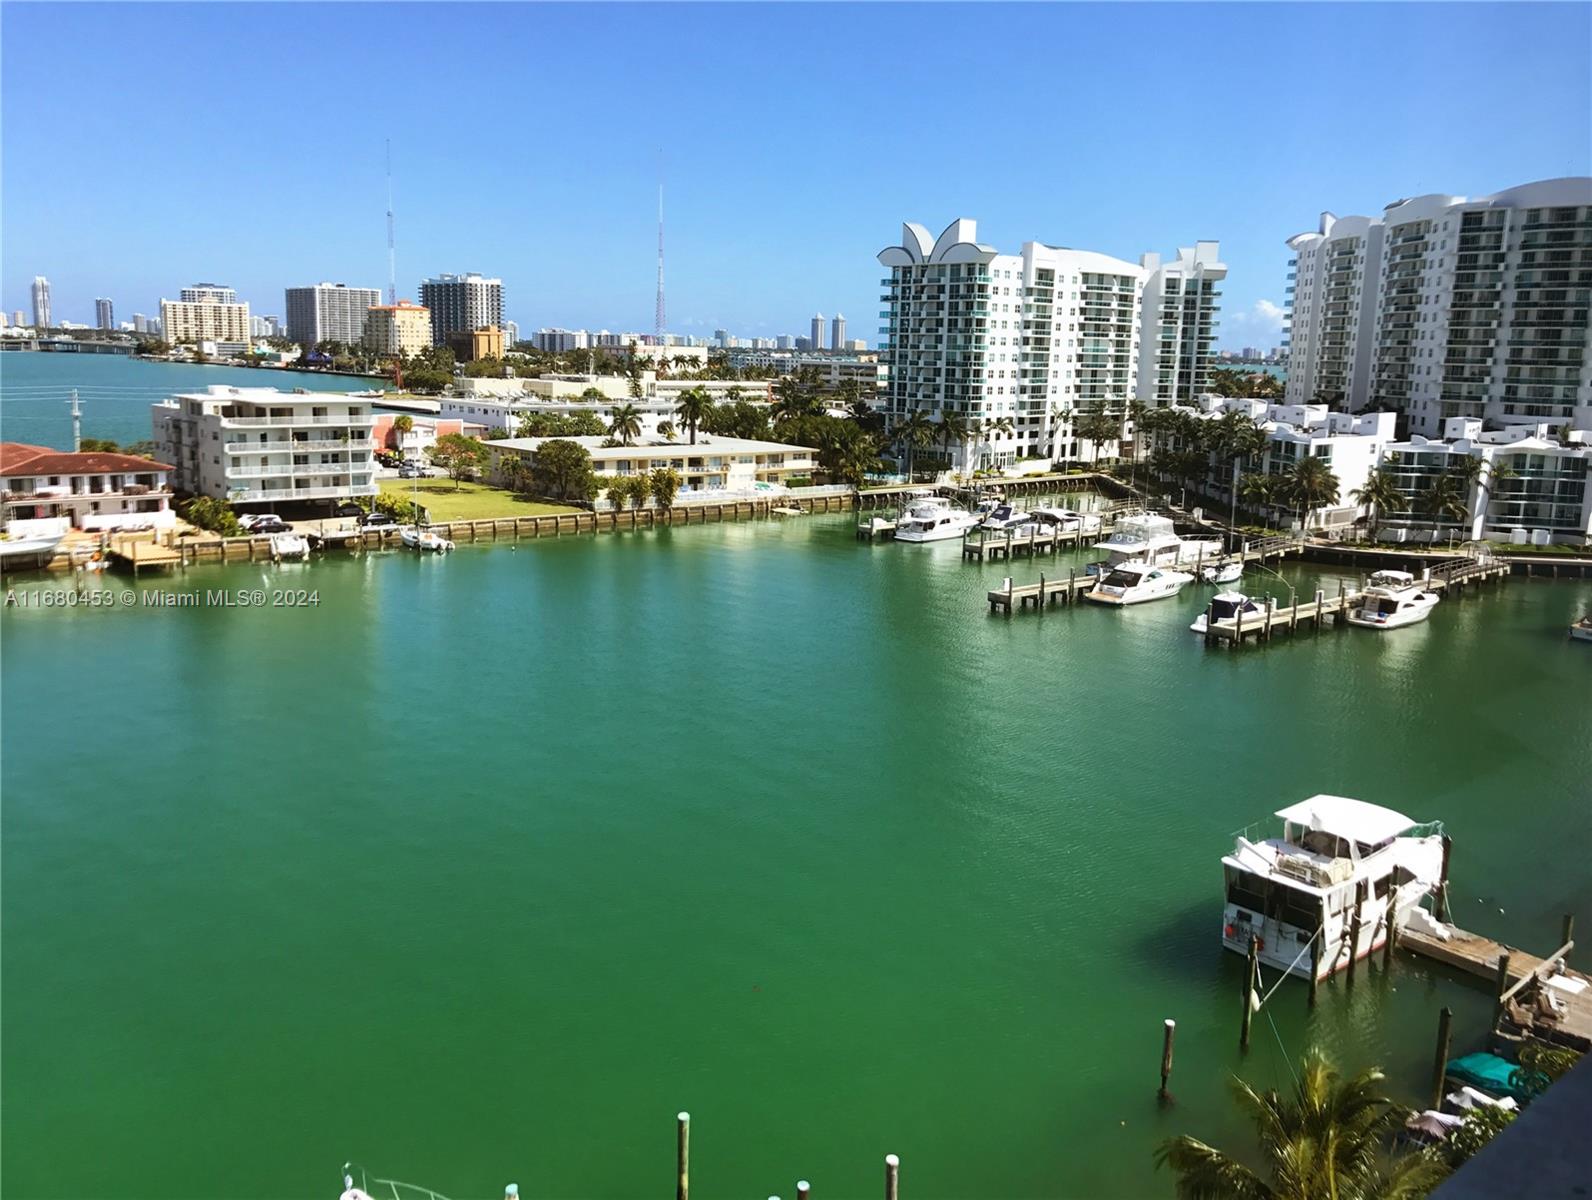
1124,579
1273,898
1383,605
1222,609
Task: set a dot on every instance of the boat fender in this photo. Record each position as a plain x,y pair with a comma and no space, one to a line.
1231,932
1260,944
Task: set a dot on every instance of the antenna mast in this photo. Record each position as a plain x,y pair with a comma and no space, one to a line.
657,316
392,257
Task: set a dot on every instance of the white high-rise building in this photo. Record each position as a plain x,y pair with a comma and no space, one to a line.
208,293
461,304
104,314
1017,345
1447,307
837,332
204,321
41,303
816,341
1181,300
511,334
328,312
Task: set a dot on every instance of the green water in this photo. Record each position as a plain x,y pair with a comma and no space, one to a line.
488,865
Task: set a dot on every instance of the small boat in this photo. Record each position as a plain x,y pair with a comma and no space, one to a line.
1136,582
1068,519
1392,599
373,394
1581,631
289,545
424,540
1225,573
934,519
788,510
39,547
1006,519
1226,606
1294,895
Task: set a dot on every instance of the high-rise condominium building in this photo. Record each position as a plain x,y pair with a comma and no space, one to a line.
1017,345
208,293
402,328
1449,307
1181,299
511,334
837,332
328,312
817,338
104,315
204,320
461,304
41,302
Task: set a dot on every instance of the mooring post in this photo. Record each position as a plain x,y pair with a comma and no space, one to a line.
1440,902
1567,934
1502,987
682,1188
1210,621
892,1177
1168,1035
1315,963
1440,1065
1354,928
804,1190
1249,991
1042,599
1392,926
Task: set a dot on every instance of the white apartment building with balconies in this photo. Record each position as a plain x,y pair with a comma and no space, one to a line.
204,321
1018,345
1447,307
262,447
1181,299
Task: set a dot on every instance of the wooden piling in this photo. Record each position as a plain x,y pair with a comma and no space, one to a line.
1440,901
1567,934
804,1190
1440,1064
892,1177
1168,1035
1315,963
1502,986
1391,931
682,1188
1249,990
1354,928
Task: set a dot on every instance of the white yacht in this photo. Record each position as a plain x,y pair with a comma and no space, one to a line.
1004,518
1286,892
1146,537
1225,573
290,545
1226,606
1392,599
1136,582
933,519
34,548
1068,519
1581,631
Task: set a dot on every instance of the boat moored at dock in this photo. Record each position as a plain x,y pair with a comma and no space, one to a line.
1068,519
1226,606
1006,518
1137,582
1392,599
1153,539
285,546
934,519
424,540
1321,893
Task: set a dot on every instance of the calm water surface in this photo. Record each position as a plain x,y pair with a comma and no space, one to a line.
485,867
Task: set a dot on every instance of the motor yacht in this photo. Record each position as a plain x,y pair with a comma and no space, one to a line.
1295,894
1226,606
933,519
1147,537
1137,582
1392,599
1005,518
289,545
1068,519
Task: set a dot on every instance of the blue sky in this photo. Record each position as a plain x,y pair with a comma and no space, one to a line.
146,147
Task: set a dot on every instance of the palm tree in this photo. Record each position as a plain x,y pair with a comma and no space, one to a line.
1498,470
1259,489
1443,500
791,399
695,405
914,432
992,427
954,428
667,430
624,423
515,473
1381,495
1100,425
1311,484
1237,438
1327,1141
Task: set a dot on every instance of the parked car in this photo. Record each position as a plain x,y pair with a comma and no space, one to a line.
269,525
377,520
411,471
349,509
250,520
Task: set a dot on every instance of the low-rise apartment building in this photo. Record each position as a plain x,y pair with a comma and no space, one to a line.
714,464
499,404
262,447
93,490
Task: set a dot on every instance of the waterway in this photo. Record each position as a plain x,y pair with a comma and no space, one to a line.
115,392
485,866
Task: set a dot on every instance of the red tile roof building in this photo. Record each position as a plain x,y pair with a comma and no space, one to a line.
92,489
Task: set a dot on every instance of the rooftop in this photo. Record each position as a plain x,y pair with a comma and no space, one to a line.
18,458
266,395
656,446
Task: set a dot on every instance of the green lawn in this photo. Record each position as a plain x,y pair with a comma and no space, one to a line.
449,501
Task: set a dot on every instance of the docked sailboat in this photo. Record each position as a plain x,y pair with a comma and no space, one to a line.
1392,599
1321,893
1137,582
1228,606
934,519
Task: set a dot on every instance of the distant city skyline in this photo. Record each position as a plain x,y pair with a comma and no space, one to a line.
757,236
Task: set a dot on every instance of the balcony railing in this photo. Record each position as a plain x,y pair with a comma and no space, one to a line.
364,421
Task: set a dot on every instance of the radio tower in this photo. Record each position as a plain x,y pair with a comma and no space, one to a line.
657,316
392,256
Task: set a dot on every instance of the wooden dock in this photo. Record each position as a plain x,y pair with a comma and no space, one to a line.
141,554
1063,589
1453,576
983,545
